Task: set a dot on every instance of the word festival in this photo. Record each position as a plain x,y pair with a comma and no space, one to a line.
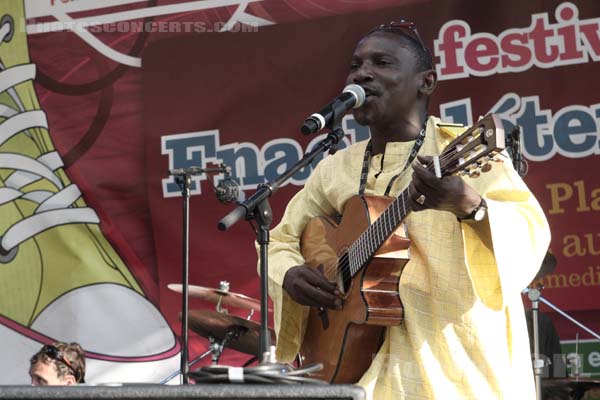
542,44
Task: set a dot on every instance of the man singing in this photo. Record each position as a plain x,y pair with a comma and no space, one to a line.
475,243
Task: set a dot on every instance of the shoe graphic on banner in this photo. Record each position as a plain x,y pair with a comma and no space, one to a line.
60,278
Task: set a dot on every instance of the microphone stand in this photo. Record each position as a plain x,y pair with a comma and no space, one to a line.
535,296
185,193
257,208
538,363
183,176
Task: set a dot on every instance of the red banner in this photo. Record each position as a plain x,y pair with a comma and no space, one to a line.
134,88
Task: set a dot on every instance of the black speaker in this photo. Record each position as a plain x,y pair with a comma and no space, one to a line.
188,392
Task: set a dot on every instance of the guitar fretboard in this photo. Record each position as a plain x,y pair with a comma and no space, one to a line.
361,251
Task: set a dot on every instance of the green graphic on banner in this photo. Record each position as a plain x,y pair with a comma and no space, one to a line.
589,351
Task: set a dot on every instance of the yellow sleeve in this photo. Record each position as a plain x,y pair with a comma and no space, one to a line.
504,252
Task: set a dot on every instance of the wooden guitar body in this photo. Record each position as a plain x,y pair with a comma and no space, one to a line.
345,341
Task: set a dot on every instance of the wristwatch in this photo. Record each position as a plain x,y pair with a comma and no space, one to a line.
478,214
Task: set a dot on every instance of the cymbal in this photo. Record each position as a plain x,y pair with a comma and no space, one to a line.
213,324
227,298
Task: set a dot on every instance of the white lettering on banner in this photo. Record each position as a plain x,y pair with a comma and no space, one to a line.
44,8
542,44
37,9
84,26
572,131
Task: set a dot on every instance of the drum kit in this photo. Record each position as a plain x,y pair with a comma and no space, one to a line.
220,328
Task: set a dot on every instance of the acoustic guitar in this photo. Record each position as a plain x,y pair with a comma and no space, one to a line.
365,254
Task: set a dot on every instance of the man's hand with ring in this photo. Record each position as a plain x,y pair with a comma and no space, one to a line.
449,193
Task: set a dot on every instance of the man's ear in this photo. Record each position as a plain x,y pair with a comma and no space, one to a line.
69,380
428,82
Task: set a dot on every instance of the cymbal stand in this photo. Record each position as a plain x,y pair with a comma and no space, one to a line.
223,286
215,348
194,361
538,362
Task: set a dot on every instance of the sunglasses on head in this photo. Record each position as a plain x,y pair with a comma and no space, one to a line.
404,27
57,355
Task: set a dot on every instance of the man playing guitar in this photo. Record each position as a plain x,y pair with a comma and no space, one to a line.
475,243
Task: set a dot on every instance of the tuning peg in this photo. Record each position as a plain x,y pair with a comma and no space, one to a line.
474,174
486,167
500,157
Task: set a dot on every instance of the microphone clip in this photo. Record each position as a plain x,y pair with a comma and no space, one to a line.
228,190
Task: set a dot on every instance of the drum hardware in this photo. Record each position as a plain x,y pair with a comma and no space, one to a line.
219,327
212,348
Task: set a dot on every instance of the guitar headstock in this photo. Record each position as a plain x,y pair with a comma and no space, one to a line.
474,149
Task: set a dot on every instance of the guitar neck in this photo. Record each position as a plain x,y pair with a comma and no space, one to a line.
363,249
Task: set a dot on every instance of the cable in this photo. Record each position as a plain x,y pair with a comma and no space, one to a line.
265,373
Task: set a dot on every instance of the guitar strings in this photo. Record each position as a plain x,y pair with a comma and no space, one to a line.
362,248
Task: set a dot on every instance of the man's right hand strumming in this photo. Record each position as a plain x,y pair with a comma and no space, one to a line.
308,286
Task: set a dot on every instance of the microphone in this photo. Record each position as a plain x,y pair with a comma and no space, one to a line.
228,190
353,96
